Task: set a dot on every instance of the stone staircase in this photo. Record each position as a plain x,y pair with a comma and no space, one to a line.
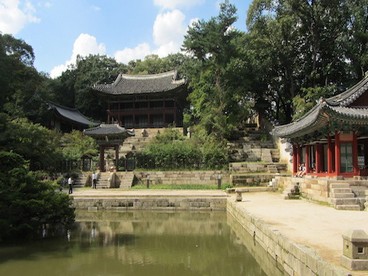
255,159
255,146
81,181
126,179
103,180
140,140
343,198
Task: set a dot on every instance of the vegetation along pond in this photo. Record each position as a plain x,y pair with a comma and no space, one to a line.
135,243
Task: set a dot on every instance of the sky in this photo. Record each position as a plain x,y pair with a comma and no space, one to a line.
59,30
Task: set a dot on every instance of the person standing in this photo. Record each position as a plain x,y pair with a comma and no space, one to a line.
94,180
70,183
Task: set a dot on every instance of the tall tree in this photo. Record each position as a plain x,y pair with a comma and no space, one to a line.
218,97
19,80
304,48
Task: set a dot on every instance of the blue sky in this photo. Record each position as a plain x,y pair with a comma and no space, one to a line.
59,30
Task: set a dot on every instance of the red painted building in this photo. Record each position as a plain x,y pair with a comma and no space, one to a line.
332,138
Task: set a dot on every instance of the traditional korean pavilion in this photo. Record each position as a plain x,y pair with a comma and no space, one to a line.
145,101
108,136
66,119
332,138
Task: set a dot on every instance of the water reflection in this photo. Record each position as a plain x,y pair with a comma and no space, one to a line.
137,243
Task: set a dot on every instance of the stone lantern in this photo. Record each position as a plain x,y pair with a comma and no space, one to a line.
355,250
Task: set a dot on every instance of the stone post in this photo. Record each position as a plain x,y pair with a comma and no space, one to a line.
355,250
219,180
238,195
148,181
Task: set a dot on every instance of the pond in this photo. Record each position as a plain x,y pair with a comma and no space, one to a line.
136,243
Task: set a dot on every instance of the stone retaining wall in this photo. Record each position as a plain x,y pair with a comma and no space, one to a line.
182,177
318,189
150,203
290,258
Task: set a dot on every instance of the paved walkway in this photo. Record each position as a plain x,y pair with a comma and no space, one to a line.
316,226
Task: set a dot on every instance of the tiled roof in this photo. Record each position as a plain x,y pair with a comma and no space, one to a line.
141,84
71,114
350,95
332,109
318,118
308,123
108,129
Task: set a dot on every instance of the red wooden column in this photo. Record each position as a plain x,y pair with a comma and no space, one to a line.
307,167
329,155
355,154
295,159
318,158
337,153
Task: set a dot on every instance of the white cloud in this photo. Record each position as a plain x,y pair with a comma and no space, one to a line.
129,54
173,4
83,46
15,14
169,27
168,34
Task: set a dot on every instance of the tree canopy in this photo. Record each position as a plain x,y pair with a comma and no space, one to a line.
219,99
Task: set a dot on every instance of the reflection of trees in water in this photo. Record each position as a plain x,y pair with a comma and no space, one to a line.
194,240
192,245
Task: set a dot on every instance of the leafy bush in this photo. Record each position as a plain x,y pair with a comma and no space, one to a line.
170,150
27,204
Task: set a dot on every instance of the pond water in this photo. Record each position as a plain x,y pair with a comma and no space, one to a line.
136,243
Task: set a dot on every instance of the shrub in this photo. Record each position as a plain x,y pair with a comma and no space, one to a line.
170,150
28,203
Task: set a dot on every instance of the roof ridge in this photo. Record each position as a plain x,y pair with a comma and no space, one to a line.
348,96
149,76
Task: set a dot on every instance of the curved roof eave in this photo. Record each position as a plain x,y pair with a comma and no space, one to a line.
350,95
72,114
108,129
307,124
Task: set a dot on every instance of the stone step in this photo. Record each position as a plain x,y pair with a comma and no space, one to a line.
340,190
345,201
342,195
339,185
348,207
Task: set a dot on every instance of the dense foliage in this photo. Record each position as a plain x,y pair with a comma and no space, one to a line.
304,50
219,99
27,204
170,150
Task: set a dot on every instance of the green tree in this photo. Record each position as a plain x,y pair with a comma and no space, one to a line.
76,145
219,97
35,143
19,80
153,64
28,204
302,50
356,37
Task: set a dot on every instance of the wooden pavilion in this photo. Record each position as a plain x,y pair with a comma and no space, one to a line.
331,140
108,136
145,101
